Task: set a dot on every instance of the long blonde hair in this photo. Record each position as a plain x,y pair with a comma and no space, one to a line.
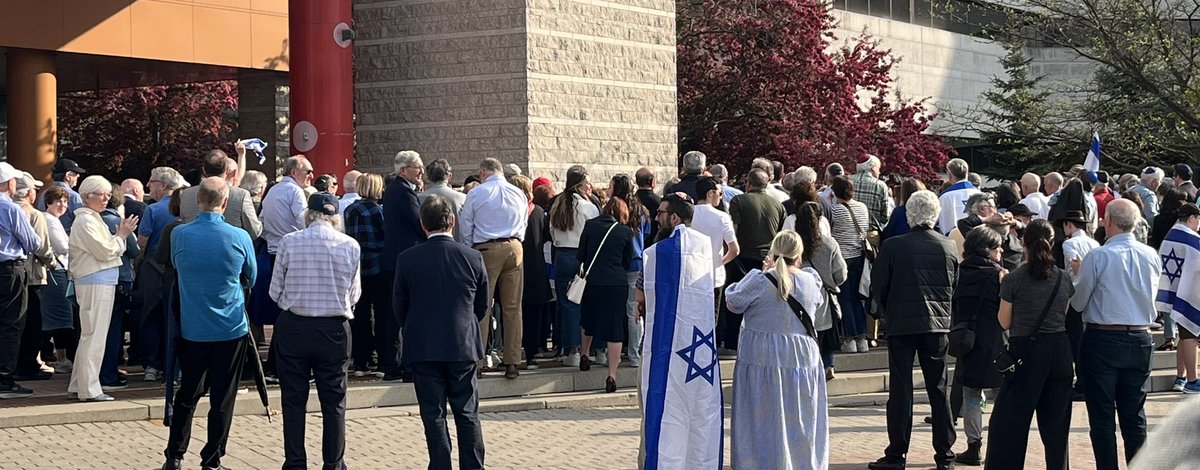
786,248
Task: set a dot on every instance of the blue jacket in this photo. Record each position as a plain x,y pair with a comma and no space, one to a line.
440,296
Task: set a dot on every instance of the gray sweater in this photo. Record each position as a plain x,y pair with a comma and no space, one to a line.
828,262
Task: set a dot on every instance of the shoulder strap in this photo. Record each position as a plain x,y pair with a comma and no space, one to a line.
798,309
1050,301
854,218
598,248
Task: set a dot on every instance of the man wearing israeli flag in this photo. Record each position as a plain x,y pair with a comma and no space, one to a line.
1177,293
682,413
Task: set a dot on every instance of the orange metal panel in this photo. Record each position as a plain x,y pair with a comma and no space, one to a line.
269,35
273,6
222,37
238,4
34,24
163,31
98,27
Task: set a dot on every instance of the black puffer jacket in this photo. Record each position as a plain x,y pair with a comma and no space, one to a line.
976,302
913,281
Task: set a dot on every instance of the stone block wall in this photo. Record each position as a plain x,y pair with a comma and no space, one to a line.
545,84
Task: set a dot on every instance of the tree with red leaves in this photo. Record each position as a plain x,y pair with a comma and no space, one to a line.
760,78
123,133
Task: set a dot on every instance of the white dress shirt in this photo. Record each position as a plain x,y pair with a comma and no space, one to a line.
1038,204
316,272
282,212
346,200
1079,244
494,210
718,226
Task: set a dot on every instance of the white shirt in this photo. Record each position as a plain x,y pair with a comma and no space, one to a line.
790,224
282,212
584,211
1038,204
316,272
346,200
718,227
954,205
1079,244
493,210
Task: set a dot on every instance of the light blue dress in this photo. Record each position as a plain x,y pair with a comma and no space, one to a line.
780,410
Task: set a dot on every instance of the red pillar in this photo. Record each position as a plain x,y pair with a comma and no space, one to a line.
322,88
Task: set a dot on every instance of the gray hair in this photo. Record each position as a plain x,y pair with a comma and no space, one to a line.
1030,182
758,178
976,199
1156,175
923,209
438,170
1123,213
350,181
957,168
491,164
95,184
872,162
169,177
311,216
788,182
254,181
213,191
292,163
764,165
693,162
719,172
805,174
406,158
1054,178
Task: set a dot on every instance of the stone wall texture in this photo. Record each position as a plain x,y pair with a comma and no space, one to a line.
545,84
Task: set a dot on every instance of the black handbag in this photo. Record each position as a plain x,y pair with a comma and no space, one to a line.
1005,361
797,309
961,339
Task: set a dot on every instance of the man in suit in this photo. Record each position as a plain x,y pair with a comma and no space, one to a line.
402,224
240,213
135,194
443,332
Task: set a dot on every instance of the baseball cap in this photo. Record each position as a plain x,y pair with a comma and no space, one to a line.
511,170
324,203
541,181
27,181
8,172
64,165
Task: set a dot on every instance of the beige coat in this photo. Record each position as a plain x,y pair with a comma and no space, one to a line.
45,253
93,248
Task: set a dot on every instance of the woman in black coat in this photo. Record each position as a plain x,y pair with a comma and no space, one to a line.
975,305
606,260
536,295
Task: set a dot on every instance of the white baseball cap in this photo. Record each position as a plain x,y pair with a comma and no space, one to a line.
7,172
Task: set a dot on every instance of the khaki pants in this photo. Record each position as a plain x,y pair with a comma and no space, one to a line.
506,280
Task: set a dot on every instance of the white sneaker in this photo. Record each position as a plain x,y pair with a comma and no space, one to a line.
862,345
100,397
64,366
360,373
601,359
572,360
849,346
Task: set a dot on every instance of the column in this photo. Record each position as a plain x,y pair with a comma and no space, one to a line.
322,89
32,111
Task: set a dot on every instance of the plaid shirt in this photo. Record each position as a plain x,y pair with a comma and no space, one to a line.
364,223
873,193
316,272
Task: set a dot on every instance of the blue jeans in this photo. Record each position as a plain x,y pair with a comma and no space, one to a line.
1115,366
113,342
854,312
565,268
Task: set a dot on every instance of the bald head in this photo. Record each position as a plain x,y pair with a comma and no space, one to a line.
1054,182
213,194
133,187
350,181
644,177
1121,216
1030,182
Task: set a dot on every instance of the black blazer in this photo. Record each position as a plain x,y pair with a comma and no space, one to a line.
616,256
537,279
133,207
401,222
440,295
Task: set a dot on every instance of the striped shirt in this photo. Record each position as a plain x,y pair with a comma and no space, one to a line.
843,227
316,272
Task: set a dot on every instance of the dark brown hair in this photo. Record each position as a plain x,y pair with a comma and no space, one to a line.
1038,239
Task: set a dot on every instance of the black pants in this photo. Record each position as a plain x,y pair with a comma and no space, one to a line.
1042,384
930,350
208,367
436,384
734,272
13,301
389,333
368,322
1114,366
318,348
31,335
533,338
1075,333
956,392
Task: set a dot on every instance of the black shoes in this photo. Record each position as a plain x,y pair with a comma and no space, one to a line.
118,385
218,467
510,372
610,385
887,463
971,456
14,390
173,464
36,375
585,363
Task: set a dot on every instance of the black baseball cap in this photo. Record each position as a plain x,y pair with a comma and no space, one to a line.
324,203
64,165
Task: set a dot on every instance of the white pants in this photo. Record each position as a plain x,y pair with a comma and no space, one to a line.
95,314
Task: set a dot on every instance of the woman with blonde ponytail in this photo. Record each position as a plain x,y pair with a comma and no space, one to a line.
779,373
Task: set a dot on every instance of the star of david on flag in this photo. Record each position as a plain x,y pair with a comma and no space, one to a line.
694,370
1172,266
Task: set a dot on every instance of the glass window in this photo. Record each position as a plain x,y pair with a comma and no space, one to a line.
858,6
881,8
902,10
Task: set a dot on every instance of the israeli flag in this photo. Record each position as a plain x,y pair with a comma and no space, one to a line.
257,146
1178,292
682,412
1092,162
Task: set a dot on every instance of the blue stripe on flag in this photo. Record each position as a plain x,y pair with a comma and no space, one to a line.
1165,296
1184,307
721,435
1183,238
668,270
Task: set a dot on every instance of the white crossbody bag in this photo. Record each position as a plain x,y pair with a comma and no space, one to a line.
579,284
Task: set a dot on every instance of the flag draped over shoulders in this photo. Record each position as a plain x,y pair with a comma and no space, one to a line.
682,412
1179,287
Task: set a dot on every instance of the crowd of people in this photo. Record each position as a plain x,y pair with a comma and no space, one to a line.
1043,289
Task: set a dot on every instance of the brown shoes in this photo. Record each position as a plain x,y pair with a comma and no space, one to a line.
510,371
